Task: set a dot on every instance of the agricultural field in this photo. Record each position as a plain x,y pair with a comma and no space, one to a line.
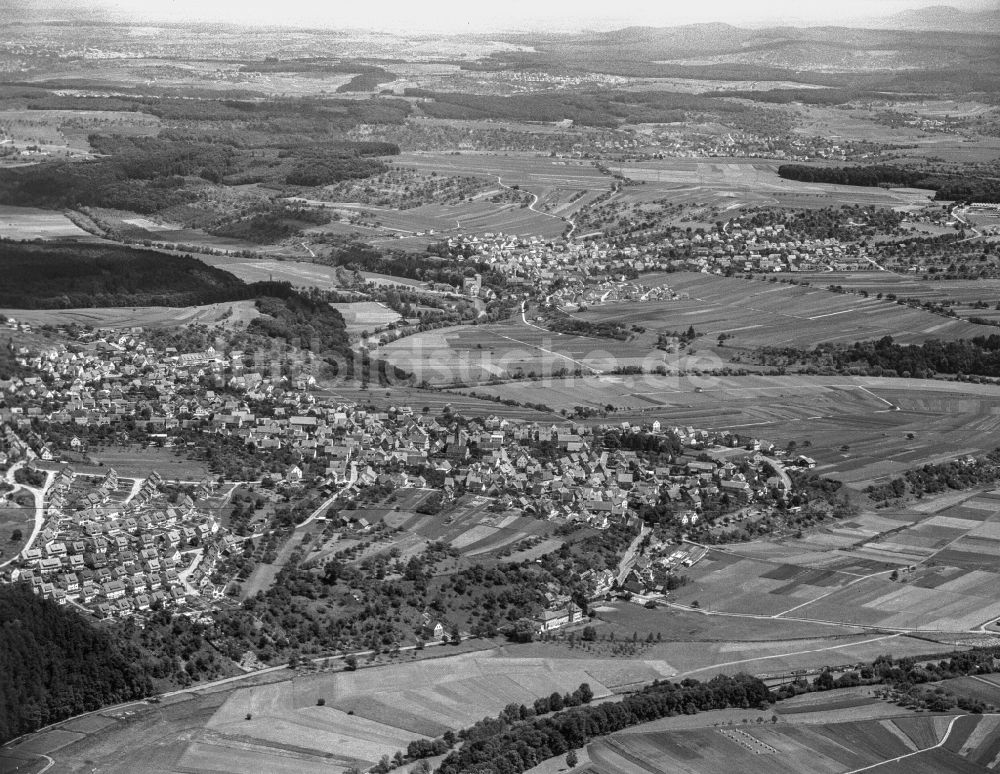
470,527
33,223
858,429
820,748
300,274
404,395
363,316
376,711
967,296
474,353
904,571
237,313
735,182
63,133
766,314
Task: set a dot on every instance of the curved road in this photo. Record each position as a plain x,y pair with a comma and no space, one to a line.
39,495
534,201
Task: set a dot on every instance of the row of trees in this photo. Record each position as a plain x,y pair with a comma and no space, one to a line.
931,479
516,746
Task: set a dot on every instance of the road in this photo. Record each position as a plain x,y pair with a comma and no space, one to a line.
628,559
329,501
534,201
958,216
944,739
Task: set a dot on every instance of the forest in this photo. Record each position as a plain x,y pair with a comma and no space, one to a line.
605,109
947,186
55,664
149,174
67,275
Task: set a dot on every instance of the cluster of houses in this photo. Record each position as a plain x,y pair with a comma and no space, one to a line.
117,547
653,571
577,293
536,263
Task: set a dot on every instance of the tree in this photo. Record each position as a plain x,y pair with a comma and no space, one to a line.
16,536
571,759
351,662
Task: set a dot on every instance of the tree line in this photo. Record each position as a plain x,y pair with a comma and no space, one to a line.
948,186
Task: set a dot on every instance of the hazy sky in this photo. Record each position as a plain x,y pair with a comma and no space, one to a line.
488,15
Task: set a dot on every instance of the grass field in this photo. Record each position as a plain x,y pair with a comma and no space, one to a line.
32,223
229,313
136,461
366,315
14,517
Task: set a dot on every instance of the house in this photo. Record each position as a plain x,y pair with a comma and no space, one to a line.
548,620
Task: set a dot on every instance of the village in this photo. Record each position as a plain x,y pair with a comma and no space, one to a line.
120,546
733,248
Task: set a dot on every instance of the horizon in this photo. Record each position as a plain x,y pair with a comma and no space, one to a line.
453,17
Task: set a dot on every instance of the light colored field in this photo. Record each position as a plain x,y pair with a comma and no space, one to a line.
32,223
470,354
237,757
377,711
366,315
230,312
298,273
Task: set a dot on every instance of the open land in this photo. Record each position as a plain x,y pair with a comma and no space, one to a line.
34,223
930,744
872,417
774,314
229,313
929,571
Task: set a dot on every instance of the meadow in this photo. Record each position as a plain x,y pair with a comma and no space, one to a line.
229,312
363,316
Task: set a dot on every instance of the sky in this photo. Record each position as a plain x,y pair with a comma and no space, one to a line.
490,15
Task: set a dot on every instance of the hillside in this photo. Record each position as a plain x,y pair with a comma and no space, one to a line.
56,665
61,275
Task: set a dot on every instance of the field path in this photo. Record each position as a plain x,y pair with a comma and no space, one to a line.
944,739
534,201
785,655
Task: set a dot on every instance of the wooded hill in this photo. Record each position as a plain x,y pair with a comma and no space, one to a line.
68,275
56,665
